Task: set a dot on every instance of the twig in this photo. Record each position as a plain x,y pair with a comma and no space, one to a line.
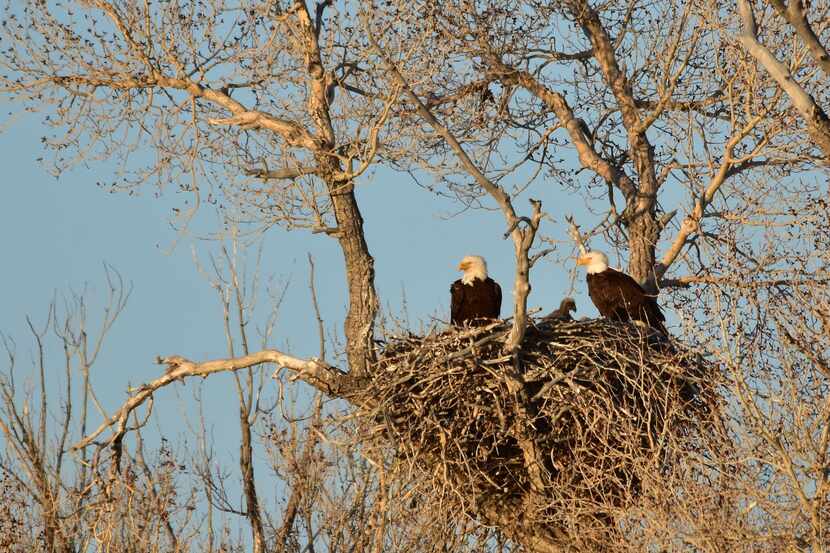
320,327
573,232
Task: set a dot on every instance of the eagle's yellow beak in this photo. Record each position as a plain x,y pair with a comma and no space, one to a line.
582,260
463,266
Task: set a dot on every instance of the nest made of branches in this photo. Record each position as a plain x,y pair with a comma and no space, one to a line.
598,402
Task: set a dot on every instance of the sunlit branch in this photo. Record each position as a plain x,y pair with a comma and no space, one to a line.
328,379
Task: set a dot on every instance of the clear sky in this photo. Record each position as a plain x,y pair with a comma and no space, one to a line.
57,233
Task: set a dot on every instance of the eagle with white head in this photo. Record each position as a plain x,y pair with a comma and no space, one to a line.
475,298
617,295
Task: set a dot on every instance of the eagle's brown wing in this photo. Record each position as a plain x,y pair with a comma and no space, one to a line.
619,297
456,302
496,299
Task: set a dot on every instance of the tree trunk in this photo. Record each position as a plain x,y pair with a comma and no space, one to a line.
640,209
643,233
641,216
818,127
56,542
360,269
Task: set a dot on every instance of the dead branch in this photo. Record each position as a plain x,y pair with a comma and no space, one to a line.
329,380
796,16
576,236
818,125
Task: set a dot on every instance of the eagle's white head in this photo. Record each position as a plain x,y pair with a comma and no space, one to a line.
595,262
474,267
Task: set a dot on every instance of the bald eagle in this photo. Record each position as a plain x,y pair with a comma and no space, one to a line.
618,296
475,297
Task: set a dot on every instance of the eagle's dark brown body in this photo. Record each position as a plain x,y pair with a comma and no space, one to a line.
481,299
620,298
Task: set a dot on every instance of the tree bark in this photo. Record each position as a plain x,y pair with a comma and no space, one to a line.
641,215
643,233
360,268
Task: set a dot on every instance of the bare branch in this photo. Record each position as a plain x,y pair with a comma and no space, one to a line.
588,156
321,331
795,15
282,174
522,239
691,223
818,125
576,236
329,380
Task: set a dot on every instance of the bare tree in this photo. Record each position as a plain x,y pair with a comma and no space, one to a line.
60,502
700,156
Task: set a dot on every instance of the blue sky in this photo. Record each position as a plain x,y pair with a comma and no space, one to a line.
58,233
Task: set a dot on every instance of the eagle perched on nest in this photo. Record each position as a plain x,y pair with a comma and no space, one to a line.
619,297
475,297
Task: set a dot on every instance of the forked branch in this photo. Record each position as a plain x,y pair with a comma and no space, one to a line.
328,379
818,125
522,238
576,236
793,12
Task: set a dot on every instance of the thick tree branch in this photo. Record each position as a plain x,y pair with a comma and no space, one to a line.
282,174
692,221
588,156
327,379
477,87
794,13
521,284
671,104
553,55
603,48
818,125
293,133
818,279
318,97
641,209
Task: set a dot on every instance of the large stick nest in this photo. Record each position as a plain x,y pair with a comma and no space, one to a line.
597,403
